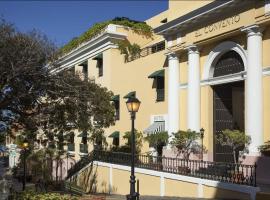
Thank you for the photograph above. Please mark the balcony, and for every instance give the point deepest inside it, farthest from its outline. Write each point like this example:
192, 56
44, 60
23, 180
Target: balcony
83, 148
160, 95
71, 147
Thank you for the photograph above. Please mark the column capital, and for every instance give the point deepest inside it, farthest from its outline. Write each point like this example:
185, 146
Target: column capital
252, 30
192, 49
172, 55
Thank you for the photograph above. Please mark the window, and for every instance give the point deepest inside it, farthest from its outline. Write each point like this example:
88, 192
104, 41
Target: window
99, 59
116, 142
100, 67
160, 89
158, 77
117, 110
164, 21
116, 103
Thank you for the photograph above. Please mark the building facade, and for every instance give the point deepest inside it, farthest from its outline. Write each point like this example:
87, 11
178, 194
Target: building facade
207, 66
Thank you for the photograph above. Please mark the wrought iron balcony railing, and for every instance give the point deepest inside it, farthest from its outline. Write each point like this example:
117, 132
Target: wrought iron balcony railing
147, 51
223, 172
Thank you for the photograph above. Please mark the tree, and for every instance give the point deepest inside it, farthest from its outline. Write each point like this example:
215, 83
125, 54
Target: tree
126, 148
235, 139
73, 103
158, 141
23, 59
138, 139
186, 143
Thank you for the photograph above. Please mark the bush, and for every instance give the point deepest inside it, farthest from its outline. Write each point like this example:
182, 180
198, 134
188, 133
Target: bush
30, 195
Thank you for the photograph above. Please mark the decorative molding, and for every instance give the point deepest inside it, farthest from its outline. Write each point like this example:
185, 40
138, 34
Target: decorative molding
217, 52
169, 41
266, 71
267, 7
89, 49
226, 79
179, 38
192, 49
252, 30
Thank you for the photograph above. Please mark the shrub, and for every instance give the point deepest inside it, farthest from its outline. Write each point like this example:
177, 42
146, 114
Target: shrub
30, 195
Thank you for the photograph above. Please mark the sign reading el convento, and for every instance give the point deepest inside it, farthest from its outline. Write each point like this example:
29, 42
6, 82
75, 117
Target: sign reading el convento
218, 25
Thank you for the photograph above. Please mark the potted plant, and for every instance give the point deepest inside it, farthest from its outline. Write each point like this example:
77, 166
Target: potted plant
186, 143
158, 141
265, 148
238, 141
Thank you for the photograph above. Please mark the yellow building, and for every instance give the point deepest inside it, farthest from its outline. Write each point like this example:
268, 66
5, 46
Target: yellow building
207, 66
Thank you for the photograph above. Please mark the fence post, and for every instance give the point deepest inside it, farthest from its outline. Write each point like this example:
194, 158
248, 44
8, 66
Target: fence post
255, 175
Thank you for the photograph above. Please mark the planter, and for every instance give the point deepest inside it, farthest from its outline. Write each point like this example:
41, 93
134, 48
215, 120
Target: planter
266, 153
184, 170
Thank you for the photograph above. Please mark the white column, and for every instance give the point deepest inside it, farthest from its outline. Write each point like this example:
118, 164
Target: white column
253, 97
194, 96
173, 94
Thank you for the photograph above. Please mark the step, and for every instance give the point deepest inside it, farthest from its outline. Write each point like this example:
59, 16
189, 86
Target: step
263, 196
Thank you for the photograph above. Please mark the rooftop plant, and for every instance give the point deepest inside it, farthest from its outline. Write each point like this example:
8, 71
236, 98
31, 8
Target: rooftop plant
136, 26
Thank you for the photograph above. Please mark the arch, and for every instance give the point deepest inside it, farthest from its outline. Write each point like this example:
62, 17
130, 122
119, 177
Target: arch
217, 52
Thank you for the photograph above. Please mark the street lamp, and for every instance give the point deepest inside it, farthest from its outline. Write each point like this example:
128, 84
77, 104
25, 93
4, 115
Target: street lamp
133, 105
25, 146
202, 136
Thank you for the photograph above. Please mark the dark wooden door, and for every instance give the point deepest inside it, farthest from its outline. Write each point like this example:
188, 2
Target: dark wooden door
228, 114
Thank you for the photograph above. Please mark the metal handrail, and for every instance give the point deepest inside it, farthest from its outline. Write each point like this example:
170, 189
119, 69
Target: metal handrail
219, 171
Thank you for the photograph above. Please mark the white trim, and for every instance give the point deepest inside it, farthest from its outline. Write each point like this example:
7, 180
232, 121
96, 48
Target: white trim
194, 17
86, 56
200, 190
108, 30
224, 79
266, 71
221, 79
227, 186
267, 7
227, 79
217, 52
170, 41
162, 186
111, 181
179, 38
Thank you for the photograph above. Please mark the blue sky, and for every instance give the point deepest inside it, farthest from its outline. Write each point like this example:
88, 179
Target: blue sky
63, 20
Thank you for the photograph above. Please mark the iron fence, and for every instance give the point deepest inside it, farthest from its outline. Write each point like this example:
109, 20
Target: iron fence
223, 172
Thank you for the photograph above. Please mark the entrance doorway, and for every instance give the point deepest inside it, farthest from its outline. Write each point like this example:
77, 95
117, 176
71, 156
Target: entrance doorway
228, 102
228, 114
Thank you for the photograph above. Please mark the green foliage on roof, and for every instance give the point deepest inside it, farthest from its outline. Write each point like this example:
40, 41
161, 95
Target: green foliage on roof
137, 27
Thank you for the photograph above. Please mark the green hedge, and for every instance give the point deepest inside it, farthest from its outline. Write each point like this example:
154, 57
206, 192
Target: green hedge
137, 26
30, 195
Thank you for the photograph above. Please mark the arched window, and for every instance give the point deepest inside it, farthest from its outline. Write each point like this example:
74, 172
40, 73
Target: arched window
229, 63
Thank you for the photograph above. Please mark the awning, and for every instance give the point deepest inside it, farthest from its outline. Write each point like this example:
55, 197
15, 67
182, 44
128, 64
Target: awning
155, 128
130, 95
159, 73
98, 57
115, 98
83, 134
115, 134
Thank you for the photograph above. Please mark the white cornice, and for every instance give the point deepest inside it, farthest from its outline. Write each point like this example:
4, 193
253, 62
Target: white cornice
87, 49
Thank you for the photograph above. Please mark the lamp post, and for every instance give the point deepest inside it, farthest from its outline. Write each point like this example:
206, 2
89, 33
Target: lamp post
202, 136
25, 145
133, 105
